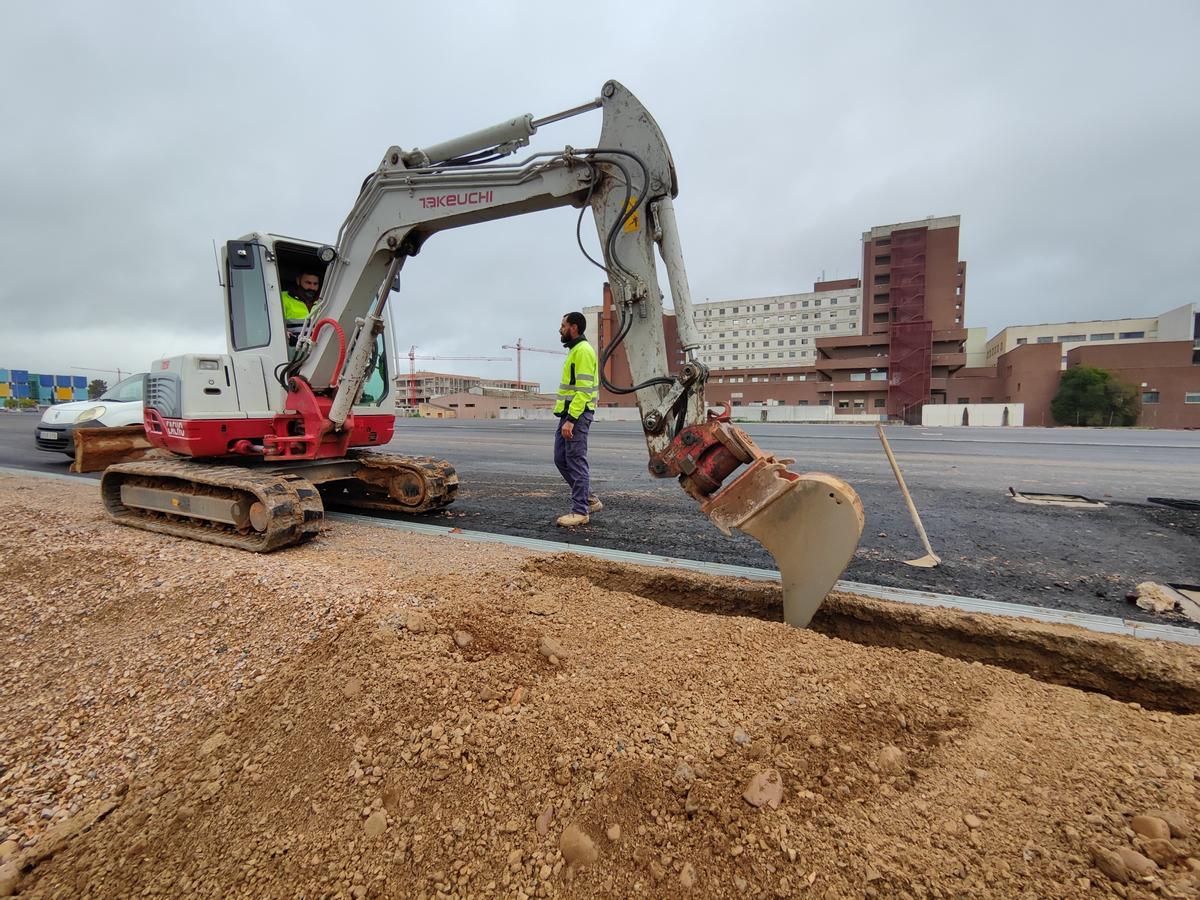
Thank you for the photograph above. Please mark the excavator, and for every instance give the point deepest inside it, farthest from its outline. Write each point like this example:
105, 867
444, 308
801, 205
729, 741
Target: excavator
252, 444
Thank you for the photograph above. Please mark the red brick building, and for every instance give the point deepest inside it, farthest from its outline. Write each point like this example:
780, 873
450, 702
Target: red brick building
912, 348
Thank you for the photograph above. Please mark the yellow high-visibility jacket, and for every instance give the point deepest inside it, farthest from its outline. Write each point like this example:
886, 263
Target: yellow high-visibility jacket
580, 383
293, 307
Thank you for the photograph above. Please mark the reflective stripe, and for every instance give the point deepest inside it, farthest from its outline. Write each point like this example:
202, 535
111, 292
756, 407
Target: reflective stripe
585, 379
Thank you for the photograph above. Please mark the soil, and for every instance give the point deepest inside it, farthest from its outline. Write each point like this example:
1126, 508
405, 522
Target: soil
388, 714
991, 547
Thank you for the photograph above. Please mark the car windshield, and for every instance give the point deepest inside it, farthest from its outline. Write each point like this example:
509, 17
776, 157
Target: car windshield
130, 390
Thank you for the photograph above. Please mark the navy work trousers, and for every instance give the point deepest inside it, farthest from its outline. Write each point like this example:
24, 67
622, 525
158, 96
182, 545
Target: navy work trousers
571, 459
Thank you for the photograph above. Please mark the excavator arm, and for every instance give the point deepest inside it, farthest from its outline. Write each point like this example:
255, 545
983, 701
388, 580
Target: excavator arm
809, 523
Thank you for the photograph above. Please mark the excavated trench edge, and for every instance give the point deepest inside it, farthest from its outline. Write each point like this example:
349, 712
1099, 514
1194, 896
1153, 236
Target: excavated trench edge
1157, 675
1103, 624
1096, 655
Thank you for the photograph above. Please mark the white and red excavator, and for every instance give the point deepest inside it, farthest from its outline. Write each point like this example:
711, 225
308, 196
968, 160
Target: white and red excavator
259, 439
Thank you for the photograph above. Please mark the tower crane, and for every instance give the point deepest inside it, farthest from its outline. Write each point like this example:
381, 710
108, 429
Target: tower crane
412, 368
522, 347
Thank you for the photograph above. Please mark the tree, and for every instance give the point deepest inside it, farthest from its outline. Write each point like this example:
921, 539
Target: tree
10, 402
1091, 396
96, 387
27, 403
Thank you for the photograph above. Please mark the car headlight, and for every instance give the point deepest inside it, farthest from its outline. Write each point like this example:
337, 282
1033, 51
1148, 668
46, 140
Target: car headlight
90, 414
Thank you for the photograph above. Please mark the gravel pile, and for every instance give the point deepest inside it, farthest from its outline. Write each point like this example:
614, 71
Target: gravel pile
382, 714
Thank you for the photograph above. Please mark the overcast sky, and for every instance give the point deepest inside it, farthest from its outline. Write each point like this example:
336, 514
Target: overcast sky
1066, 135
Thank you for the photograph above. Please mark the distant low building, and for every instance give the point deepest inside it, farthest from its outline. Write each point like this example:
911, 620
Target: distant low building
421, 387
489, 403
1173, 325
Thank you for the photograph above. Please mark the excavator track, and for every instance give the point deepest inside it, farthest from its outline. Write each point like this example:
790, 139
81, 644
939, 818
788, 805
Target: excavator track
396, 483
269, 509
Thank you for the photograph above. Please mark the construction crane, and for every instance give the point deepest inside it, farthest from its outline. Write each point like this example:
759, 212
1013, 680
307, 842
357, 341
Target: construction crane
522, 347
412, 369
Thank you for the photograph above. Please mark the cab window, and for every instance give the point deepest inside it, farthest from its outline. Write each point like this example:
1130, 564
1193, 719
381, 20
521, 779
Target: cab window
248, 317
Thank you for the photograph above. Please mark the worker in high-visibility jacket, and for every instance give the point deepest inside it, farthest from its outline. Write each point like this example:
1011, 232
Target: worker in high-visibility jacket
298, 302
577, 392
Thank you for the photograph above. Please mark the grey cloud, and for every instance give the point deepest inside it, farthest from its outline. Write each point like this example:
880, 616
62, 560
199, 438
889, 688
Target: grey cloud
1063, 133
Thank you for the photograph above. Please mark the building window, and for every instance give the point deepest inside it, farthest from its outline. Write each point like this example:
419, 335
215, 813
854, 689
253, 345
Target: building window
879, 317
883, 260
1132, 335
805, 304
1191, 398
1045, 340
963, 400
985, 399
882, 279
1149, 396
1020, 342
843, 404
882, 298
879, 375
1107, 336
858, 376
880, 402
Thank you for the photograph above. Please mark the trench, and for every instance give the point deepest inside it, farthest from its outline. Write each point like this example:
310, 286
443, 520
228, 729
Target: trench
1154, 674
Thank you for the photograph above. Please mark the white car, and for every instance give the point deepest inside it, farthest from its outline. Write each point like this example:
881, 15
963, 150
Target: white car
121, 404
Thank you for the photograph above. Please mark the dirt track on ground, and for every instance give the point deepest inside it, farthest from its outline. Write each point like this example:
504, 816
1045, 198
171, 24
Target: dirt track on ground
384, 714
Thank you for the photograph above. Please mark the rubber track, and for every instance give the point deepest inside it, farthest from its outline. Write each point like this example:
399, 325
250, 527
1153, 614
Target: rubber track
441, 482
293, 504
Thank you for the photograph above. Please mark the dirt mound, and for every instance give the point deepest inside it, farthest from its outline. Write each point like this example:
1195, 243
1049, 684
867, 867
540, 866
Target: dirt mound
526, 729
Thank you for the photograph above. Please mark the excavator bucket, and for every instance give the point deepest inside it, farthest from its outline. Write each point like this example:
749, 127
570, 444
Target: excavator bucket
98, 448
810, 524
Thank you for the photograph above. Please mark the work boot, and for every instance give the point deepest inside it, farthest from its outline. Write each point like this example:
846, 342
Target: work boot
570, 520
594, 504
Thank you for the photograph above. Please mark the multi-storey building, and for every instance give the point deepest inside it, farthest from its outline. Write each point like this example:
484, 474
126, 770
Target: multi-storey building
911, 346
761, 332
1174, 325
766, 332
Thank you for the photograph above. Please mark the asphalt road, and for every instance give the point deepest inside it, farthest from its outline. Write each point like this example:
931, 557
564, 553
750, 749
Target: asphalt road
991, 546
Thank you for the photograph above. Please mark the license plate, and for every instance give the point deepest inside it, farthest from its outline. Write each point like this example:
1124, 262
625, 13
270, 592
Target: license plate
49, 435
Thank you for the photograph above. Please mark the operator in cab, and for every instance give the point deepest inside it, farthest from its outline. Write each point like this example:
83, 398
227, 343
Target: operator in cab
298, 302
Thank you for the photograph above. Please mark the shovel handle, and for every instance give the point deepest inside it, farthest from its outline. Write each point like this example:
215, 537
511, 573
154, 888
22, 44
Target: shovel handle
912, 509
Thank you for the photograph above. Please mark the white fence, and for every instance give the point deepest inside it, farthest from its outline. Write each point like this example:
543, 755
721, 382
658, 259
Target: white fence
952, 415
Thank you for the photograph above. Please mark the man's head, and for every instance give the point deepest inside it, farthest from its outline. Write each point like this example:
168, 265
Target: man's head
307, 287
572, 327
